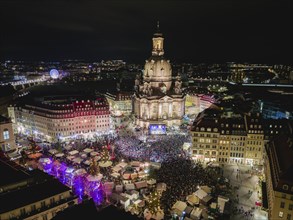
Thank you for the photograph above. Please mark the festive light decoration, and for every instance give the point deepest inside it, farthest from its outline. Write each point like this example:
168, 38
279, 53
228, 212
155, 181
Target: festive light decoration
61, 173
54, 74
80, 182
47, 164
105, 156
154, 202
94, 168
78, 186
97, 193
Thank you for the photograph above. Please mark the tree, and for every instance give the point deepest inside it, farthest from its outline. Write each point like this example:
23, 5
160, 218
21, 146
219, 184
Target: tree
154, 202
94, 168
58, 146
105, 156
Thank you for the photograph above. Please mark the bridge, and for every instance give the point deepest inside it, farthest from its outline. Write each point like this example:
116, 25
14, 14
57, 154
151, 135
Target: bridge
17, 85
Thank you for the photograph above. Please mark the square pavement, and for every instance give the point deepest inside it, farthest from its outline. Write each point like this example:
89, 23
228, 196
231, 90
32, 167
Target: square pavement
245, 182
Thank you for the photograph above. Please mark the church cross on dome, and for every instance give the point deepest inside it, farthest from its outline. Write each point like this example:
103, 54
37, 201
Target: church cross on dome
158, 26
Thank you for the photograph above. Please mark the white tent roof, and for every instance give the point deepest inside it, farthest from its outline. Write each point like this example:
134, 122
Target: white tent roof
73, 152
59, 155
94, 153
77, 160
117, 168
88, 150
206, 189
221, 203
122, 164
192, 199
180, 206
200, 194
129, 186
53, 151
141, 184
135, 163
196, 212
116, 175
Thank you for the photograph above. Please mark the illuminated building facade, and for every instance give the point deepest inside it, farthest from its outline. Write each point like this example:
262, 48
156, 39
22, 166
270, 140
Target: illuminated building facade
197, 102
120, 103
279, 178
156, 100
7, 139
56, 121
228, 140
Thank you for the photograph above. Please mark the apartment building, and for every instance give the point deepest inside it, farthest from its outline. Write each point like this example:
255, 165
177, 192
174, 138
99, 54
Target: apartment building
25, 195
279, 178
56, 120
228, 139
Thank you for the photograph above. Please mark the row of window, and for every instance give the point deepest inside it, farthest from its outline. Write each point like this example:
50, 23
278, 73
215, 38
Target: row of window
23, 211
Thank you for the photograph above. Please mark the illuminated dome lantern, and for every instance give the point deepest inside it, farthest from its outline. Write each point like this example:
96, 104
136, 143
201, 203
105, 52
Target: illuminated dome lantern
54, 74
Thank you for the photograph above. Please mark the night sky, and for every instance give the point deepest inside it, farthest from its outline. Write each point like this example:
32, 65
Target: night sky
195, 31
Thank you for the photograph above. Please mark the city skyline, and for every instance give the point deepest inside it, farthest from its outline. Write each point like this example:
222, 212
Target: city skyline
194, 31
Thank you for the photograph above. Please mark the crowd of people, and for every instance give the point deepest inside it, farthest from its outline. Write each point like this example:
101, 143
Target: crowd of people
182, 177
155, 149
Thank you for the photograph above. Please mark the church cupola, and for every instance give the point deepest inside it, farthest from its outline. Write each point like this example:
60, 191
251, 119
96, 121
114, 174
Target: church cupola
158, 42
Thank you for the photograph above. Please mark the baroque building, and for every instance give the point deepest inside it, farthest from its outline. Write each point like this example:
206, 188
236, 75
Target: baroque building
157, 100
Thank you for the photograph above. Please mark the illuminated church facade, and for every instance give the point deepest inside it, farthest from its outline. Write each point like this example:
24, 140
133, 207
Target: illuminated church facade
158, 100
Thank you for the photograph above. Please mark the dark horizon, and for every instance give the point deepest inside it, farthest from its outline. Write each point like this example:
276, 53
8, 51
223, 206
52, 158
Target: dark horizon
195, 31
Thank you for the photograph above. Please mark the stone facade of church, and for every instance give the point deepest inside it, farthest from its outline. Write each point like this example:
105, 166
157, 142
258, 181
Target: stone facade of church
158, 100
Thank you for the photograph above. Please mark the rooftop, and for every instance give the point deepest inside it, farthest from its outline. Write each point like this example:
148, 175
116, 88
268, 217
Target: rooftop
30, 194
10, 173
280, 151
4, 119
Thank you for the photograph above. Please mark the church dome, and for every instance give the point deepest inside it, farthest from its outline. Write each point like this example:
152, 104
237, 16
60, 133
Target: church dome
158, 70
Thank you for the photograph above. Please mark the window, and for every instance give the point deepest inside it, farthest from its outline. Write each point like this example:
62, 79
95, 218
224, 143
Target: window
290, 206
43, 204
282, 205
44, 217
22, 211
289, 217
5, 134
283, 195
52, 200
33, 208
285, 187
